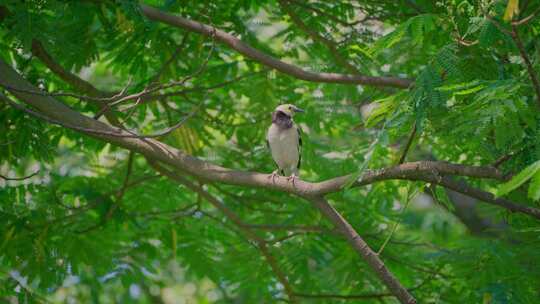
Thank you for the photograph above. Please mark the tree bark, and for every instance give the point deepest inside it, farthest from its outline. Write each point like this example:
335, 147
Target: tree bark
433, 172
362, 248
286, 68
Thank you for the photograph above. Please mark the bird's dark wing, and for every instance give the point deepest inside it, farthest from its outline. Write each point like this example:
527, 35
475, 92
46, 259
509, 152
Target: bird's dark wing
299, 147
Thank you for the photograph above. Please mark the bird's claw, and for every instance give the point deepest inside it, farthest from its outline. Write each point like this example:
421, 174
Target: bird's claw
292, 178
273, 176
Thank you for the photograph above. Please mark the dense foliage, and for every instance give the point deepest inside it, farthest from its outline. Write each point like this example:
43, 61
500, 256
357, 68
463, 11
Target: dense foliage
97, 223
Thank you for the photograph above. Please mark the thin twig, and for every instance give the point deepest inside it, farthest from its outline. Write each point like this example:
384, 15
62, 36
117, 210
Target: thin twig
363, 249
175, 55
143, 98
75, 81
19, 178
274, 227
323, 13
125, 184
499, 161
119, 196
530, 69
408, 144
116, 133
233, 217
317, 37
345, 297
527, 19
408, 197
364, 295
265, 59
514, 34
148, 90
161, 212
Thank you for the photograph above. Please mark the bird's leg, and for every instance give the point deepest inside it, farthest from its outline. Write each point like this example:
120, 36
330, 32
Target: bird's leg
292, 178
273, 176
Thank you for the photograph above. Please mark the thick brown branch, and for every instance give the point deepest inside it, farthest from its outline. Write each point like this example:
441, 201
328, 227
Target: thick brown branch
79, 84
433, 172
114, 132
344, 227
428, 171
366, 295
487, 197
259, 242
362, 248
142, 96
420, 170
286, 68
83, 86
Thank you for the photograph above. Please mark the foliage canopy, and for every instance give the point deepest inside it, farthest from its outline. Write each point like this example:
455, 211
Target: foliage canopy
102, 223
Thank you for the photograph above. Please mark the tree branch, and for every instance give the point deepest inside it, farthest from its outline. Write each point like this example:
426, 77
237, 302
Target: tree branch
143, 96
408, 145
259, 242
427, 171
81, 85
362, 248
345, 297
525, 20
168, 62
125, 184
325, 14
113, 132
326, 209
274, 227
528, 64
317, 37
363, 295
433, 172
248, 51
154, 88
18, 178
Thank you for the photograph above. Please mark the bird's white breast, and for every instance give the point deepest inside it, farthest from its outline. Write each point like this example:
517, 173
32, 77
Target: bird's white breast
284, 147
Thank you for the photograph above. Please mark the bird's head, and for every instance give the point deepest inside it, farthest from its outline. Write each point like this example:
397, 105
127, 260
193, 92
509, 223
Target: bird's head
288, 109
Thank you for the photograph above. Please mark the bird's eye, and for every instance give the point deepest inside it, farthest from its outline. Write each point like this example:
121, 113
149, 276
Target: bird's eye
290, 108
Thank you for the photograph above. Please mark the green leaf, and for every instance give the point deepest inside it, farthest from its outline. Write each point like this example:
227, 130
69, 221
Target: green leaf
534, 187
458, 86
519, 179
512, 9
470, 90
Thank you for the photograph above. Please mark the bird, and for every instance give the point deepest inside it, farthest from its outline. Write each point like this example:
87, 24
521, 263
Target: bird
284, 142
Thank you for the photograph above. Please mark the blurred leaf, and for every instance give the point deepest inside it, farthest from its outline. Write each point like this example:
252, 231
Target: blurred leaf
519, 179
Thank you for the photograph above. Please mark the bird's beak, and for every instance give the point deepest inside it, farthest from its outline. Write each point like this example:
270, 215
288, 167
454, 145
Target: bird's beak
298, 110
